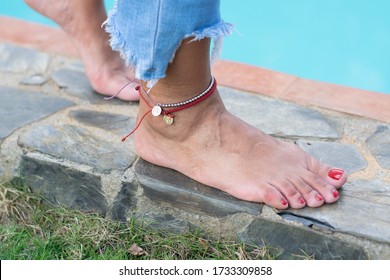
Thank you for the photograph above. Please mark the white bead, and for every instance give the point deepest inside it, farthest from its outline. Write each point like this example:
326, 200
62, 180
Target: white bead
156, 111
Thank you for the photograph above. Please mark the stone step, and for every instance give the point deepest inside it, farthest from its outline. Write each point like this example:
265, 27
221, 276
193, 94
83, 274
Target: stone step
64, 141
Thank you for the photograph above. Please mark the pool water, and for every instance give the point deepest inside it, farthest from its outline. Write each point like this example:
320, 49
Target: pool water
345, 42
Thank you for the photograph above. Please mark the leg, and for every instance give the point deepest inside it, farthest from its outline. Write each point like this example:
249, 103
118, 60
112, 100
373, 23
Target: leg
82, 21
212, 146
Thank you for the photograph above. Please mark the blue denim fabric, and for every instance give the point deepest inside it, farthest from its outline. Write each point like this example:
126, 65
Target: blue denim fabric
148, 32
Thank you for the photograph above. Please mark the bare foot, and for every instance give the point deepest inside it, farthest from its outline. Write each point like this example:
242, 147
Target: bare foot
213, 147
82, 21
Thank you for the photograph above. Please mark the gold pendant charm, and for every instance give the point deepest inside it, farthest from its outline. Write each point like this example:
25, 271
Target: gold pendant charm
168, 119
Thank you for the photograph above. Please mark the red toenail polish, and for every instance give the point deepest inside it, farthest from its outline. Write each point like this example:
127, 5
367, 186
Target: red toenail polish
284, 202
335, 193
319, 198
335, 174
301, 200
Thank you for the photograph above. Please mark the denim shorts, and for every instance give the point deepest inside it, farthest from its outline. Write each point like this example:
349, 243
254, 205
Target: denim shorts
147, 33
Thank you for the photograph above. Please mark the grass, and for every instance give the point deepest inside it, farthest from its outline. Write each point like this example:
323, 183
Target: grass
32, 229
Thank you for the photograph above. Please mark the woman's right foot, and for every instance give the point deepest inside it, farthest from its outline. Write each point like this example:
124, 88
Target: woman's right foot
82, 21
214, 147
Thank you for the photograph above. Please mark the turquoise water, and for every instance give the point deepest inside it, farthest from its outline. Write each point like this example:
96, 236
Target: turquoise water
345, 42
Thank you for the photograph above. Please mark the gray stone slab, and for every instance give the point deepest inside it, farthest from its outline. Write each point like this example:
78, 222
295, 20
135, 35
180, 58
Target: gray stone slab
293, 241
166, 185
34, 80
379, 145
362, 210
277, 117
116, 123
75, 83
63, 185
78, 145
124, 202
20, 107
344, 156
16, 59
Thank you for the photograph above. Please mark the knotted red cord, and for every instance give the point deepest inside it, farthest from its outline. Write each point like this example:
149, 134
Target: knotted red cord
171, 111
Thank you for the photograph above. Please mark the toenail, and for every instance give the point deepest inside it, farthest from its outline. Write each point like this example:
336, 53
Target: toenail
335, 173
301, 200
335, 193
319, 197
284, 202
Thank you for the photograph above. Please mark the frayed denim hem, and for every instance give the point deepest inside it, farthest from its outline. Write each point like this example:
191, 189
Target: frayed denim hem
150, 60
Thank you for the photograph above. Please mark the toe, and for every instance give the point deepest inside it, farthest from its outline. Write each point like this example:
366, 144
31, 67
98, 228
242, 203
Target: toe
327, 191
335, 176
291, 193
309, 194
273, 197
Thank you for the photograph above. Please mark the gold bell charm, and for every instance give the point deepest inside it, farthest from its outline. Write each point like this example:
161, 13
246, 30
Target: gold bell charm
168, 119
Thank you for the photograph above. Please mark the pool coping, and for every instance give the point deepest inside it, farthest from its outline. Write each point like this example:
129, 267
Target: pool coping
367, 104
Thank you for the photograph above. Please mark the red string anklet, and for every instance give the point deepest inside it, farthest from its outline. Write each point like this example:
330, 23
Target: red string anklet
167, 110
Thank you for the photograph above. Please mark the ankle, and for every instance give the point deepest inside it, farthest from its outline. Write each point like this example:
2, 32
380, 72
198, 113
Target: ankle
185, 120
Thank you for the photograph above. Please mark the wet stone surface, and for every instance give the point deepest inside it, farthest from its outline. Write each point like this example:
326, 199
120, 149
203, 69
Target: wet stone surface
338, 155
15, 59
277, 117
63, 185
31, 106
293, 242
78, 145
379, 145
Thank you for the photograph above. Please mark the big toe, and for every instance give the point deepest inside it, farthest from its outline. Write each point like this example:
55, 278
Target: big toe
335, 176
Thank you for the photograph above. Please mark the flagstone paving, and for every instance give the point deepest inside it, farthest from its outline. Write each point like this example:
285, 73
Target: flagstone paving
64, 140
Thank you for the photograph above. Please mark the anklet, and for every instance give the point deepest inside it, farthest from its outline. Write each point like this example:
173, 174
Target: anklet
167, 110
178, 104
161, 108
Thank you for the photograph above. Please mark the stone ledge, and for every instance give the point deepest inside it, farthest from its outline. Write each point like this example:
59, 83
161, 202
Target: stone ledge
301, 242
62, 185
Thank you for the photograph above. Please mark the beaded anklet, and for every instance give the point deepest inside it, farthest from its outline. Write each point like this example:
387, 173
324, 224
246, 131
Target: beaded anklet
167, 110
